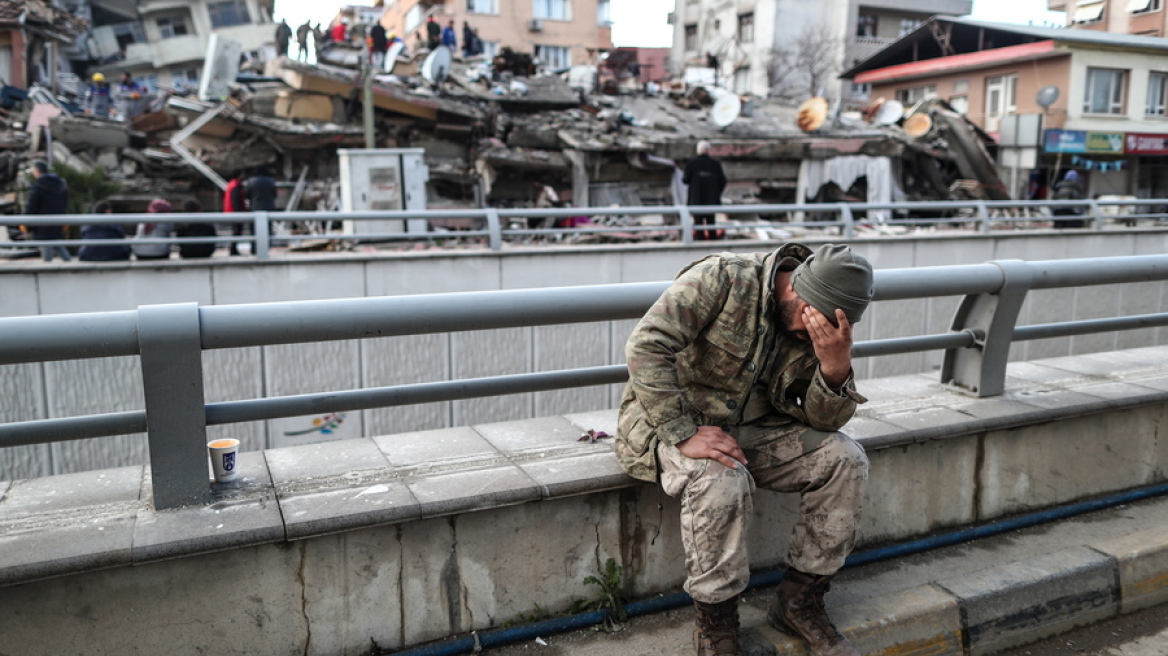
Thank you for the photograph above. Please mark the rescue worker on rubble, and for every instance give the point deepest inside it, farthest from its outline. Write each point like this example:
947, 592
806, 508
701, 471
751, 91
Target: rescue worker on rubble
433, 33
97, 97
302, 33
129, 97
740, 375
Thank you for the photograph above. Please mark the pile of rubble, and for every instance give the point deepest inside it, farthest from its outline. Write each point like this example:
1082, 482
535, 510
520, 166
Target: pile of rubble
491, 138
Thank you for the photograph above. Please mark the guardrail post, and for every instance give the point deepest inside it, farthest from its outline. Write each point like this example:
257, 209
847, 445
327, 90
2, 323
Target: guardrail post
176, 423
1096, 215
263, 234
494, 230
847, 221
983, 213
980, 370
687, 224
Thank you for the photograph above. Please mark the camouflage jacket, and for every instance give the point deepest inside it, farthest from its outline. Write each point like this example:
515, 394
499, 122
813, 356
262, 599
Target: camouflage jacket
711, 352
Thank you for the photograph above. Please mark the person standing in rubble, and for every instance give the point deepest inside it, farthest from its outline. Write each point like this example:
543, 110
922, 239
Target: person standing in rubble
302, 33
340, 32
450, 37
433, 33
705, 182
130, 97
283, 38
48, 195
378, 44
261, 192
320, 40
235, 200
467, 40
97, 97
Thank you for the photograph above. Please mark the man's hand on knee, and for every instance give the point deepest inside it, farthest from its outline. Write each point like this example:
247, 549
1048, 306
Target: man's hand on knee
713, 442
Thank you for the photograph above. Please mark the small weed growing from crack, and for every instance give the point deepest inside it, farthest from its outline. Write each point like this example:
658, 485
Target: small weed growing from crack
611, 598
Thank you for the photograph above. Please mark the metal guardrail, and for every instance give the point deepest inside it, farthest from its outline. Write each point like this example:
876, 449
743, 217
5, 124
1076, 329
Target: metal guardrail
170, 339
840, 218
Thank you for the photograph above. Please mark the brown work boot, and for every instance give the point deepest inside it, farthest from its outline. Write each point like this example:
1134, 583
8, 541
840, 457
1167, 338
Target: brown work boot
716, 633
798, 610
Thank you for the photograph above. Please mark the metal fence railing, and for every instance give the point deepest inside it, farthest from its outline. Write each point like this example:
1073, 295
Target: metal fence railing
498, 226
170, 339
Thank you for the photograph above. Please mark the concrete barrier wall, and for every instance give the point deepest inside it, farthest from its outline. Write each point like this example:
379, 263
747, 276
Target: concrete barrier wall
63, 389
513, 516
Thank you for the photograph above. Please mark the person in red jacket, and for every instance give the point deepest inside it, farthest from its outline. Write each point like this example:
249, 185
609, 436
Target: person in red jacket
234, 201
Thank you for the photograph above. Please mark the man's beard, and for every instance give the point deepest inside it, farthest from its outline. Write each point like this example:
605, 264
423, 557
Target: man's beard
788, 313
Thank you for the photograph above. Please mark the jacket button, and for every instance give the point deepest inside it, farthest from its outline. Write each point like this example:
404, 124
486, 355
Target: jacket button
750, 366
732, 404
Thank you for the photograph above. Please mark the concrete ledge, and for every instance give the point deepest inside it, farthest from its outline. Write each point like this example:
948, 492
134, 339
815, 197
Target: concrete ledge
428, 528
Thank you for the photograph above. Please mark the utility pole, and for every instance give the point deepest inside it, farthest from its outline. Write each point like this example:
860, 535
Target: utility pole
367, 66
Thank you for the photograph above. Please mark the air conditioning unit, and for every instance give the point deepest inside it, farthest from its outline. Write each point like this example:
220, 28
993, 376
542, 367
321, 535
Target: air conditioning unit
535, 25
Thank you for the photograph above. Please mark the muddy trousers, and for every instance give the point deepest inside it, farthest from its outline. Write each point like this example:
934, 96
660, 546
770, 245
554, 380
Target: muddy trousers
828, 470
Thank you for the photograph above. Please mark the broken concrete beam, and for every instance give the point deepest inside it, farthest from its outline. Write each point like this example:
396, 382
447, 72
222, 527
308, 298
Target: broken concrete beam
80, 133
299, 105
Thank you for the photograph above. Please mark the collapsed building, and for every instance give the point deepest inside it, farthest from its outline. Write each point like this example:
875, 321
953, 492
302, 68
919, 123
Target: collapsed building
495, 137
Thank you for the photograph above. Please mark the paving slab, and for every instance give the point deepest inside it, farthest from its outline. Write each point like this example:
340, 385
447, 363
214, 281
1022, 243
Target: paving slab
544, 437
241, 513
462, 491
427, 448
1143, 567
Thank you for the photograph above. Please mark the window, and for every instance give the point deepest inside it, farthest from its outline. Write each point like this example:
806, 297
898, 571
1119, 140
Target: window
746, 28
479, 7
907, 25
490, 49
1106, 91
552, 9
1143, 6
960, 104
691, 37
554, 57
228, 13
185, 77
1088, 11
127, 33
916, 94
861, 91
1000, 93
1157, 86
604, 13
866, 25
171, 27
742, 80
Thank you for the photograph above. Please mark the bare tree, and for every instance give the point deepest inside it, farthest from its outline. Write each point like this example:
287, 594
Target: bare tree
804, 68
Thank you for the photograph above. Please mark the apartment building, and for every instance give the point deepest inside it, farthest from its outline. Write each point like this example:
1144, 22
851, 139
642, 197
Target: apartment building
785, 48
561, 33
1107, 116
1146, 17
164, 42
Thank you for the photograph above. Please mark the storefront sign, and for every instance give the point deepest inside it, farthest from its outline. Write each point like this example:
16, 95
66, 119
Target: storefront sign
1065, 141
1105, 142
1146, 144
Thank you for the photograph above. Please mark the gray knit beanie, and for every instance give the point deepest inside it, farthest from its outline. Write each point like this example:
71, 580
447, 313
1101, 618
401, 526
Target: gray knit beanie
834, 277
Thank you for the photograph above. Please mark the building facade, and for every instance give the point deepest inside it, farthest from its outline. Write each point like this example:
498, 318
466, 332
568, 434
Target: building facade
790, 48
1100, 100
1145, 17
560, 33
164, 42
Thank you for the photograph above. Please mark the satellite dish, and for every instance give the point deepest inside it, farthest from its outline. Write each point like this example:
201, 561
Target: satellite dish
812, 114
726, 108
891, 111
873, 107
392, 54
918, 125
437, 65
1047, 96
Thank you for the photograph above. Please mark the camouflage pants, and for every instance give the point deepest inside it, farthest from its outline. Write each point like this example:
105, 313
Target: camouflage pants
830, 472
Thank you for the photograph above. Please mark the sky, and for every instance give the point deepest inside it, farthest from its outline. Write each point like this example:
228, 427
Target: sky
642, 22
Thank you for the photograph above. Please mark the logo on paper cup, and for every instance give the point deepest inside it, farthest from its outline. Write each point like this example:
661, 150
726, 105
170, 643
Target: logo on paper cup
229, 461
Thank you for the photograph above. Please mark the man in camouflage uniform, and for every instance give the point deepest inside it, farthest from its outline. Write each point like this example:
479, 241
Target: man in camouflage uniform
740, 376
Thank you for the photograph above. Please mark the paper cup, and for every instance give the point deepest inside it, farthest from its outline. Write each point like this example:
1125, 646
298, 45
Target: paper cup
224, 459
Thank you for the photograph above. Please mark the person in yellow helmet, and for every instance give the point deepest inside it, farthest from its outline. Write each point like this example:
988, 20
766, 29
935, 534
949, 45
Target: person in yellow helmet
97, 97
